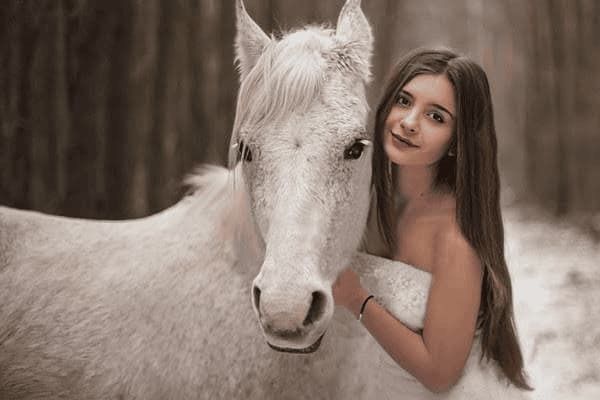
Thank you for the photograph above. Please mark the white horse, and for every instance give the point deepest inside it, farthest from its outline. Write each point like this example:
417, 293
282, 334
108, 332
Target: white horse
161, 307
172, 306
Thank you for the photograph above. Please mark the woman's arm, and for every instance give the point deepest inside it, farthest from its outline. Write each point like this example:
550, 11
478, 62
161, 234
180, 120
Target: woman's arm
438, 355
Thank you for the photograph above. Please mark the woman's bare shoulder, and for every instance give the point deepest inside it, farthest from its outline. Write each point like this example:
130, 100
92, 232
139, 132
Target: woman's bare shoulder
450, 248
452, 251
418, 232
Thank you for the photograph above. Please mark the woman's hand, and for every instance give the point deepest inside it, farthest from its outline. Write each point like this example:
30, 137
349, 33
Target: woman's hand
348, 292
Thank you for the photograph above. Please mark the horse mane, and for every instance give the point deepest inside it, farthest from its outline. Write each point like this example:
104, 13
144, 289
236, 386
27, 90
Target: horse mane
222, 194
286, 79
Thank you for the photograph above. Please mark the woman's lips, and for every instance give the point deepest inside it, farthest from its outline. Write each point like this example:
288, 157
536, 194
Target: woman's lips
403, 140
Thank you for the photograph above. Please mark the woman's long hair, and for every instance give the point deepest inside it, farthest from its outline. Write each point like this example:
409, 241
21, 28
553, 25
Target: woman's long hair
472, 176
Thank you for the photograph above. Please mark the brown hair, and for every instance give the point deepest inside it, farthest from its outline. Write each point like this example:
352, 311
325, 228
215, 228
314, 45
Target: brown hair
472, 176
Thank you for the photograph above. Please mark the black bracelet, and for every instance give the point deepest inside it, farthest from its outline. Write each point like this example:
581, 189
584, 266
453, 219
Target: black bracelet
364, 304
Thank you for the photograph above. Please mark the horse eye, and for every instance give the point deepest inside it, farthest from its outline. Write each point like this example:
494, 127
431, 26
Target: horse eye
244, 152
355, 151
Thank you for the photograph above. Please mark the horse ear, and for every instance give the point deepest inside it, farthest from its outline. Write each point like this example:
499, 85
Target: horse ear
250, 40
354, 31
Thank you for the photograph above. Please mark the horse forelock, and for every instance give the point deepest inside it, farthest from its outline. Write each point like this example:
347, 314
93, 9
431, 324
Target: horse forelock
287, 78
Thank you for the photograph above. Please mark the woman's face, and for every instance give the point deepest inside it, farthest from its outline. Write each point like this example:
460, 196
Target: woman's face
419, 127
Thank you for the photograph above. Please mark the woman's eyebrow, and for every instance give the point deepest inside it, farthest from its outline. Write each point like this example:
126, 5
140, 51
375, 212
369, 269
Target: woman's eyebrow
443, 109
406, 92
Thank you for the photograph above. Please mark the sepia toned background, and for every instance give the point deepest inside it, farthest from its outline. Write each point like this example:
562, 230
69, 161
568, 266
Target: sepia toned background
105, 105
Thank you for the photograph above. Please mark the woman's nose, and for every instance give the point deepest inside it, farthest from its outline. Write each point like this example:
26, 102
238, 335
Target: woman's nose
410, 123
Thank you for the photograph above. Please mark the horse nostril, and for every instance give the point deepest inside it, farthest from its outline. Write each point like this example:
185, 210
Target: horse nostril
256, 296
317, 307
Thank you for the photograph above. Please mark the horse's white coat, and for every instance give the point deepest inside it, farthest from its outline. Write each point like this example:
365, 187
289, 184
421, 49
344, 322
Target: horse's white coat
160, 307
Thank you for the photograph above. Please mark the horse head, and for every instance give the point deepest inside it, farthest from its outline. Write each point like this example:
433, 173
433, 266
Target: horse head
300, 138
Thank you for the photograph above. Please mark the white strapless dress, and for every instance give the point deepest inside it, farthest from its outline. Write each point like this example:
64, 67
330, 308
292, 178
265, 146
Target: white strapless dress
403, 291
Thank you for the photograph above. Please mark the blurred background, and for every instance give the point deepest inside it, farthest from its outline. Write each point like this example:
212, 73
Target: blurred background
106, 105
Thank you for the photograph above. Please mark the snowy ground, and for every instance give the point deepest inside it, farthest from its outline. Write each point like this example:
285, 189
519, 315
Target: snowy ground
555, 270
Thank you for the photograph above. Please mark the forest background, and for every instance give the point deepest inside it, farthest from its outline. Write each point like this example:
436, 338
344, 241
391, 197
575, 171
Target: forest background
106, 105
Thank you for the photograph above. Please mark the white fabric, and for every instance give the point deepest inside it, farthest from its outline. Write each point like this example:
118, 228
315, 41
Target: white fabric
402, 290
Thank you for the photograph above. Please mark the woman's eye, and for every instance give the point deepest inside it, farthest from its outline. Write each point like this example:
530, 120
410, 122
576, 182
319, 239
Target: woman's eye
403, 101
437, 117
355, 150
244, 152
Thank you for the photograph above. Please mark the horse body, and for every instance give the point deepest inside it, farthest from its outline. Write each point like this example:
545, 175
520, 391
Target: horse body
89, 308
150, 308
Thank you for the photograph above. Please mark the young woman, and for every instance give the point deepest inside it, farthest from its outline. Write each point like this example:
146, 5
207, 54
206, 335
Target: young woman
437, 201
